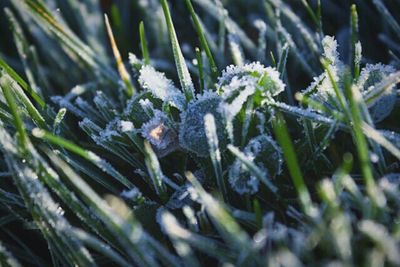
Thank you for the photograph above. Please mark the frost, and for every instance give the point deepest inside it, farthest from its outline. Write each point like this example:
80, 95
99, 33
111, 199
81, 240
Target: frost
392, 136
159, 133
134, 61
369, 82
266, 79
371, 76
134, 194
236, 49
180, 197
215, 154
261, 125
266, 150
192, 134
330, 46
212, 137
111, 130
260, 25
126, 126
237, 84
147, 106
358, 54
63, 102
266, 154
161, 87
138, 108
241, 180
390, 183
154, 170
246, 87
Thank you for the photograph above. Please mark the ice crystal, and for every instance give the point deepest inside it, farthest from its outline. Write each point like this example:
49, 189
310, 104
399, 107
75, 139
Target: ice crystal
330, 46
126, 126
139, 109
268, 78
358, 53
192, 134
241, 180
370, 78
321, 89
237, 84
266, 154
236, 49
161, 87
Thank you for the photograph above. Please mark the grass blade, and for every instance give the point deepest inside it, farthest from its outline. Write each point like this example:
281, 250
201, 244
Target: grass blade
284, 140
130, 89
143, 44
181, 67
203, 40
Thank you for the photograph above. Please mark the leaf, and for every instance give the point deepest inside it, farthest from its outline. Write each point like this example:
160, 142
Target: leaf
183, 72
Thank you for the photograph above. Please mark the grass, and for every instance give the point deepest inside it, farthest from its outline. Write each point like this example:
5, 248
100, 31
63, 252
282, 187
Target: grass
217, 133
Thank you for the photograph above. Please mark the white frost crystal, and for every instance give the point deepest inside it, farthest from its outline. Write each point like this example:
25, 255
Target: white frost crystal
370, 78
330, 46
358, 53
192, 134
266, 154
238, 83
379, 104
161, 87
126, 126
268, 77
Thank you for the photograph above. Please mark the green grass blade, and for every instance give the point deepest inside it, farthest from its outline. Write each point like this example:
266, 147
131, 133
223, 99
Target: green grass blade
355, 53
182, 69
22, 83
143, 44
284, 140
18, 123
155, 172
199, 59
215, 154
88, 155
7, 81
225, 223
202, 37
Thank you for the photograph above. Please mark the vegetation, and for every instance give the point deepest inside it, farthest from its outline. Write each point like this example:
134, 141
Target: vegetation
199, 133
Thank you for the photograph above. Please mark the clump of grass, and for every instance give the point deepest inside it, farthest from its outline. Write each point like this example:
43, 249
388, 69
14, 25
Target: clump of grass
206, 147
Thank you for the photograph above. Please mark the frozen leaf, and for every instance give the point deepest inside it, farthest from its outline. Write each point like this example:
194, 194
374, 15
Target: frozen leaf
161, 87
266, 155
267, 152
330, 47
135, 112
239, 83
370, 78
241, 180
266, 78
192, 134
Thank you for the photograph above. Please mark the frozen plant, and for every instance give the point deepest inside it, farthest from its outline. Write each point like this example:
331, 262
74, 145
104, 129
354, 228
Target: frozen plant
380, 104
266, 154
160, 133
371, 82
161, 87
192, 134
